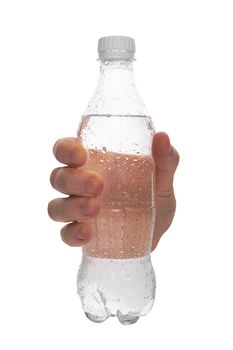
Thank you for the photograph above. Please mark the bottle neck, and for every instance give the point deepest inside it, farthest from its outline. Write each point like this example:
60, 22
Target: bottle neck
117, 73
116, 92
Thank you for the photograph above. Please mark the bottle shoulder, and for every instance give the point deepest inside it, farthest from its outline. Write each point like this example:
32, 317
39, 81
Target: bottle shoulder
116, 93
112, 103
121, 133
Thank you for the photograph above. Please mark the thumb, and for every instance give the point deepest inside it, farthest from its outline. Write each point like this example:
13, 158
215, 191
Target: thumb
166, 159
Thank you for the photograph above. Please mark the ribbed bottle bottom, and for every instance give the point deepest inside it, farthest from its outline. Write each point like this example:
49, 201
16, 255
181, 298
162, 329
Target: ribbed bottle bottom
116, 287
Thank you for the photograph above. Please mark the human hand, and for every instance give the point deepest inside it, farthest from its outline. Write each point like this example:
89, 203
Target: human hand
83, 187
166, 160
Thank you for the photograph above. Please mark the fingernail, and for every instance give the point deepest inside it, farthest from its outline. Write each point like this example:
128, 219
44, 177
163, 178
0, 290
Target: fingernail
91, 185
85, 207
83, 233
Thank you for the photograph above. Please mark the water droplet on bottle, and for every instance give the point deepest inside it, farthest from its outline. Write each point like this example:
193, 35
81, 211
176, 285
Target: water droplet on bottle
104, 149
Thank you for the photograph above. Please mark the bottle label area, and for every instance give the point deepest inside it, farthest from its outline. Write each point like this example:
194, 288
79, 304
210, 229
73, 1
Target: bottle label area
124, 227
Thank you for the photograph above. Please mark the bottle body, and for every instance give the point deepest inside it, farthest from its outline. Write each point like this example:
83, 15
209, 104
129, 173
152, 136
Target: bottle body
116, 277
124, 227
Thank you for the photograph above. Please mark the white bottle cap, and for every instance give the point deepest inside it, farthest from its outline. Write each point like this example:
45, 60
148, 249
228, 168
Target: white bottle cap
116, 47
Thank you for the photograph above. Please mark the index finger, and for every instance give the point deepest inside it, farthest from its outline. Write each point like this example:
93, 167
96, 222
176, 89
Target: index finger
70, 152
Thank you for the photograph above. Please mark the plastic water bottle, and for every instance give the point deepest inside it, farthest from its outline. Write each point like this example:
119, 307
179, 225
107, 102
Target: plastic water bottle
116, 277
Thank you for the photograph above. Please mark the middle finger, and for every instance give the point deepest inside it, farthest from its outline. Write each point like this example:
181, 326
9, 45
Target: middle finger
76, 181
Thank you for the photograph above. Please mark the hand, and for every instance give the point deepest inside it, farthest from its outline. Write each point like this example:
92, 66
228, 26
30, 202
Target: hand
83, 187
166, 159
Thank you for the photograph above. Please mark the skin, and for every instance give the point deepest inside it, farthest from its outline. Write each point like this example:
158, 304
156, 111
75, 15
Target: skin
83, 188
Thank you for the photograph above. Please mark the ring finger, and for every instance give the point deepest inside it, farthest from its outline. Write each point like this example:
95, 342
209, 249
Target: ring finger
73, 208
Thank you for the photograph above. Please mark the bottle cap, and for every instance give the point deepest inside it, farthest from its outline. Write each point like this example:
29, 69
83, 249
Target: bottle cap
116, 47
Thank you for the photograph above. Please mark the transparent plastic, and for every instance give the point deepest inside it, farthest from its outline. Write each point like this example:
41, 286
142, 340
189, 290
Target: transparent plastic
116, 277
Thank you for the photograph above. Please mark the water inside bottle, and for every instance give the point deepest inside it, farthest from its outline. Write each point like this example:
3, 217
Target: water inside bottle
124, 227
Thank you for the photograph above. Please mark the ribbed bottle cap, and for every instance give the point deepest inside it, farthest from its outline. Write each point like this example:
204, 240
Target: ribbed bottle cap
116, 47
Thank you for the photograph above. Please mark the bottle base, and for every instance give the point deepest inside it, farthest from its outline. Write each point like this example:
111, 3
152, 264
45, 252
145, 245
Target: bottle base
95, 318
128, 319
124, 288
123, 319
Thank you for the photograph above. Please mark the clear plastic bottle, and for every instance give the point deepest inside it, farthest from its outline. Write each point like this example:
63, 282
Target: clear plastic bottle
116, 277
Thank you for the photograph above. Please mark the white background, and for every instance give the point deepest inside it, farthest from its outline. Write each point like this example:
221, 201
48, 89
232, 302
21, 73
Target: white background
185, 76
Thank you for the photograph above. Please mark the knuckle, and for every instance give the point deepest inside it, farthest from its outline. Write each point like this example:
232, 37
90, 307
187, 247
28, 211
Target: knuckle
167, 201
63, 233
164, 193
51, 210
176, 158
60, 180
56, 147
53, 176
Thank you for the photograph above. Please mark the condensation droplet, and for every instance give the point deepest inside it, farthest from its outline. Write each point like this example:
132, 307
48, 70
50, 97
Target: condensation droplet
104, 149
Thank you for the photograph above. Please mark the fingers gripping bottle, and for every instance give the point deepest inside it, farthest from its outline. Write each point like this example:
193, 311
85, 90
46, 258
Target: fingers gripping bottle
116, 277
